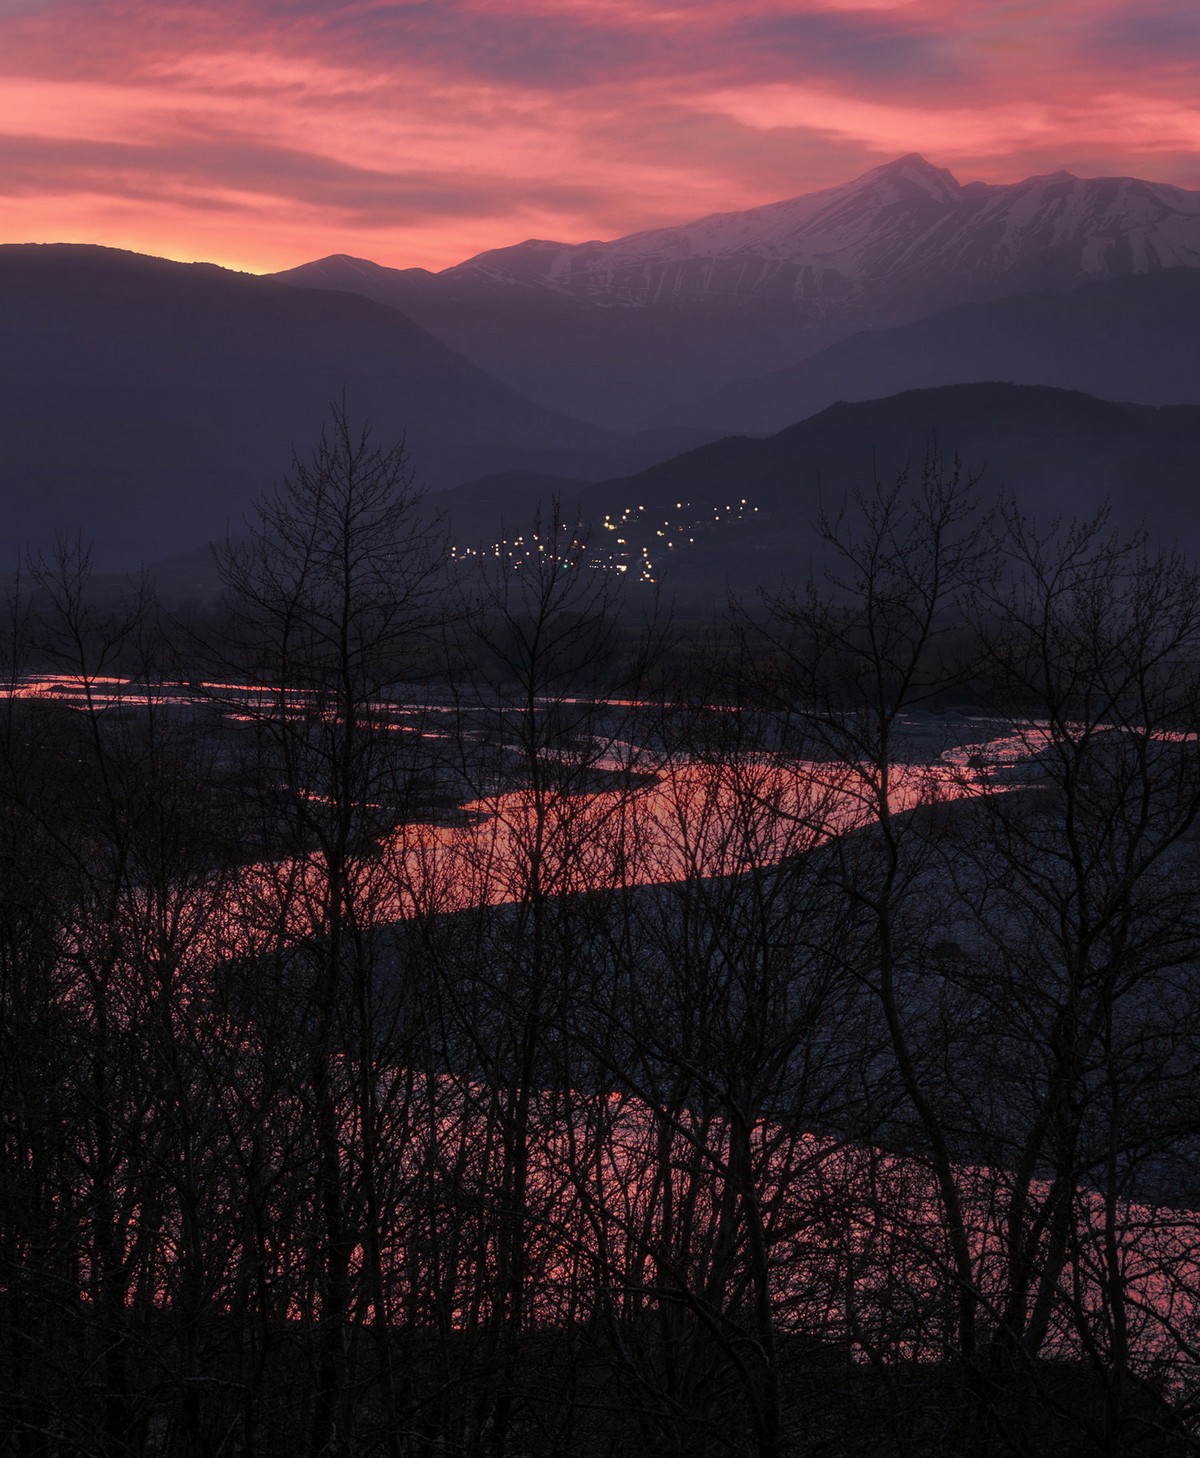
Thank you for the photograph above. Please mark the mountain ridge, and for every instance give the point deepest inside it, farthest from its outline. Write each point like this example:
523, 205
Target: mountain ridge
146, 402
1053, 452
620, 332
901, 220
737, 514
1124, 339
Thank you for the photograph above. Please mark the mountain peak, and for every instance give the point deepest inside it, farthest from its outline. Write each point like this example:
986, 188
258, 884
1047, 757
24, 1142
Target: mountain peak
901, 234
342, 271
912, 173
910, 160
1062, 175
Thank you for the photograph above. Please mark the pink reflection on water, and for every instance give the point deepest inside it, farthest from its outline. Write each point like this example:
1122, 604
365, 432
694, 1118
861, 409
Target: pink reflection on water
852, 1225
695, 820
1026, 740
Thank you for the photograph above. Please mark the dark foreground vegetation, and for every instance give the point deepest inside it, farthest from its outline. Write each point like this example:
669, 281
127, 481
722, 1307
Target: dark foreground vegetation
740, 1077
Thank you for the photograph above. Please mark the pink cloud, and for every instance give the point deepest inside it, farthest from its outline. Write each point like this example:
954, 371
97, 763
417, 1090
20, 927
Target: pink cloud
261, 133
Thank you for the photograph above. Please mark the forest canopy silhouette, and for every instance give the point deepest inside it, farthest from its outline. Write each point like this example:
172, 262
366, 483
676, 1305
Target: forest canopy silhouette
447, 1011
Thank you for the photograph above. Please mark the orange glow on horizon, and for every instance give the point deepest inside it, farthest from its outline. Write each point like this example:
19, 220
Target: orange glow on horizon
240, 133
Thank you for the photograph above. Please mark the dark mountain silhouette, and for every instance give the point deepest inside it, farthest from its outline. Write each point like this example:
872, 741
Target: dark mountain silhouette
145, 403
616, 365
1124, 339
739, 513
624, 331
1055, 452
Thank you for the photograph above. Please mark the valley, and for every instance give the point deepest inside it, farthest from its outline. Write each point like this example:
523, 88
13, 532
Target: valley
599, 849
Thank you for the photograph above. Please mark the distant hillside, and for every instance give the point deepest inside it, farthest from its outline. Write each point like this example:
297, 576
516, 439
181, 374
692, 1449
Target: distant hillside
1124, 339
145, 403
1057, 452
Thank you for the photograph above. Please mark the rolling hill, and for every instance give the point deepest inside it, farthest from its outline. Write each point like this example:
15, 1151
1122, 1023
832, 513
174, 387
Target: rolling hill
1128, 339
740, 512
144, 403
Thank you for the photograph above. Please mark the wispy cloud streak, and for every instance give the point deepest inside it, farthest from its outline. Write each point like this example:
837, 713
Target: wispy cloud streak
263, 132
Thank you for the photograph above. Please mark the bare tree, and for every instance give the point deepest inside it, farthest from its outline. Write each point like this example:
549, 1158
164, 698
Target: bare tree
725, 1020
114, 793
1084, 893
547, 670
333, 601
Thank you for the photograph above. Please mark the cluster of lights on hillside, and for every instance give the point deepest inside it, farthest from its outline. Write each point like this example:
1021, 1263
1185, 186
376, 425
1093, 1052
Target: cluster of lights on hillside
636, 547
563, 549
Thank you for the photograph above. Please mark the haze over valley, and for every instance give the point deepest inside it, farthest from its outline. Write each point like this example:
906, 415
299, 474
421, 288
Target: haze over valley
145, 403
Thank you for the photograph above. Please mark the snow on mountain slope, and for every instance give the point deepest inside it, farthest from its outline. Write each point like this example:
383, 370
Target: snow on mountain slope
903, 226
634, 331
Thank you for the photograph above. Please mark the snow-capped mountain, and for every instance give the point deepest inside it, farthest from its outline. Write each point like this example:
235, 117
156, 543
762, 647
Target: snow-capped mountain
904, 226
624, 332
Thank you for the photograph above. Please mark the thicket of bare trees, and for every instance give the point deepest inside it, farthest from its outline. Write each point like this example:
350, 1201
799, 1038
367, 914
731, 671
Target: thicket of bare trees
443, 1029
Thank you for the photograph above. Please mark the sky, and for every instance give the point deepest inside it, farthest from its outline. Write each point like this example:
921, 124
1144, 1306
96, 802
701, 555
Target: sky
260, 134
